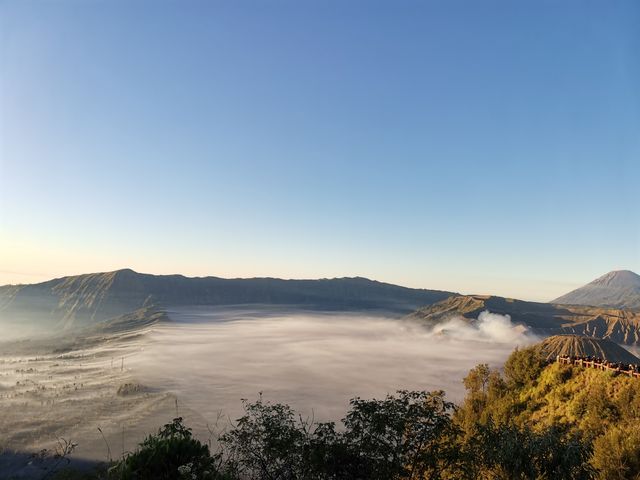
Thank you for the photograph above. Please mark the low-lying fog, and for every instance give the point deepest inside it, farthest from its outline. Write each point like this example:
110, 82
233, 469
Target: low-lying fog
316, 362
108, 392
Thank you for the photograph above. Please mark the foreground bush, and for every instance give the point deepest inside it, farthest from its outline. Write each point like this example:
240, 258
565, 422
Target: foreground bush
171, 454
406, 436
509, 452
616, 454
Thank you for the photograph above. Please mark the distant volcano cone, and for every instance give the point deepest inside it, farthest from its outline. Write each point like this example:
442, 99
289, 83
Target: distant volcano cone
579, 346
617, 289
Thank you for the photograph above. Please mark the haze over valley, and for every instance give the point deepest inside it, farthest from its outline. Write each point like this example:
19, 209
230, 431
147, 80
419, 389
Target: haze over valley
188, 346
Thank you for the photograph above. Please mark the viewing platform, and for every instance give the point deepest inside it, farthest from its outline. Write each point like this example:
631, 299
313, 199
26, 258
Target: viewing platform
631, 370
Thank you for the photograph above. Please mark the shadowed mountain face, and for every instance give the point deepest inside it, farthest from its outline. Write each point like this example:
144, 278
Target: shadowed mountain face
618, 289
91, 298
577, 346
620, 326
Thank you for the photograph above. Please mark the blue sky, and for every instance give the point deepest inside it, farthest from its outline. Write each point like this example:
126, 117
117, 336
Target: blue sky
476, 146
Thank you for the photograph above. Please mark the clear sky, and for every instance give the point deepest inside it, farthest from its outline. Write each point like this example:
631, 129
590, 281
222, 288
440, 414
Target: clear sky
476, 146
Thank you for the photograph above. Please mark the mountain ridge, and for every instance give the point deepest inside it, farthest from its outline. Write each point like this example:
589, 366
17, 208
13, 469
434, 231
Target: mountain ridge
95, 297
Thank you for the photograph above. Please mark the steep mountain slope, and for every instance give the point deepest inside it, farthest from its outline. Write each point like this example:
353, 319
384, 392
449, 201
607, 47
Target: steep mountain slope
617, 289
620, 326
91, 298
578, 346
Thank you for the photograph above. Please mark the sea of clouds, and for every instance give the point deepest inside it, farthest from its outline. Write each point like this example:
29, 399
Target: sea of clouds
316, 362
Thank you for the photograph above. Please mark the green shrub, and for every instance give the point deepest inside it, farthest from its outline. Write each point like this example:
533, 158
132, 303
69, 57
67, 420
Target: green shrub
616, 453
523, 367
170, 454
509, 452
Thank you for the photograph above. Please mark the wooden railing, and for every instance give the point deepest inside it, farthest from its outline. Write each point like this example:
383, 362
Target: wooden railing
617, 368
